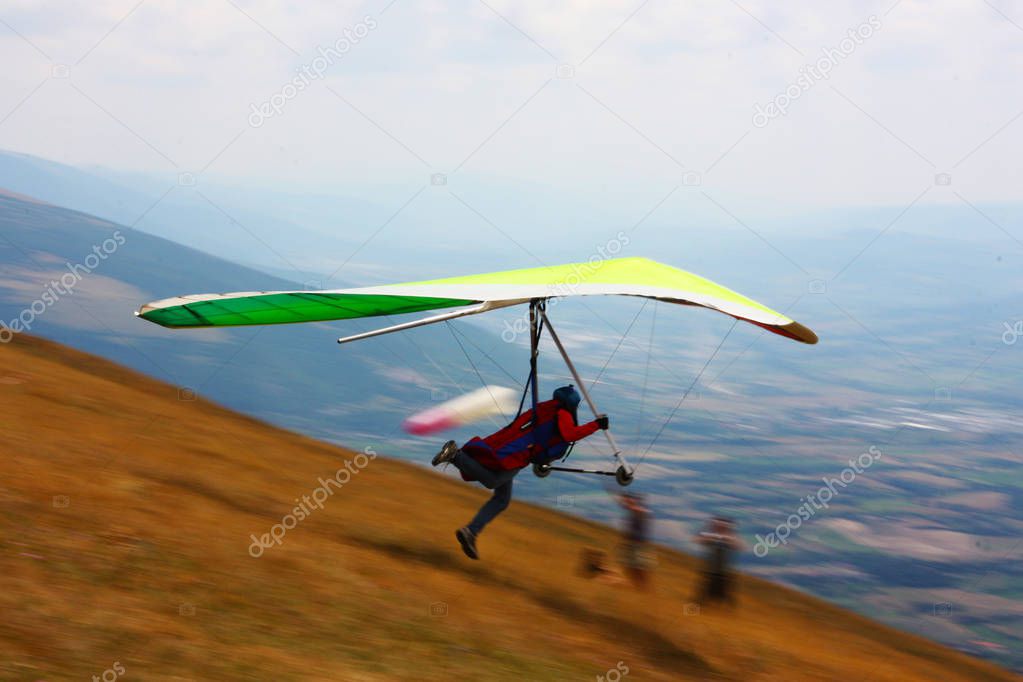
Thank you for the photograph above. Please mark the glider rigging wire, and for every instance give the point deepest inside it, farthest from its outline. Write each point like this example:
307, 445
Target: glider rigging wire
475, 369
485, 354
620, 342
686, 394
646, 374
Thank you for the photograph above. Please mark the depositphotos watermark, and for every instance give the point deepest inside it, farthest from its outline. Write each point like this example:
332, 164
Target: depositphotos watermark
1012, 333
512, 330
811, 74
308, 503
111, 673
614, 674
63, 286
814, 503
313, 71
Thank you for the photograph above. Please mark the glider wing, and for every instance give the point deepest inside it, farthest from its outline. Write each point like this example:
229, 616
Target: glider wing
620, 276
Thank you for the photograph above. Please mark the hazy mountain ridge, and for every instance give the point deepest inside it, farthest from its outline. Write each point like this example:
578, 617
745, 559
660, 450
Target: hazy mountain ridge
249, 368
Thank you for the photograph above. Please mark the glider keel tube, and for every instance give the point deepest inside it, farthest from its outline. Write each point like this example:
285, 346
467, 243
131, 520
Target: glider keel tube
443, 317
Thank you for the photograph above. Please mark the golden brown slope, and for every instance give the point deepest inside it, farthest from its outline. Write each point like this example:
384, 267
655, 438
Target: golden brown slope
147, 565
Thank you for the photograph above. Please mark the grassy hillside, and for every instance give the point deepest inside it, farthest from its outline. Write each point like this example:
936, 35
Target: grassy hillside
125, 522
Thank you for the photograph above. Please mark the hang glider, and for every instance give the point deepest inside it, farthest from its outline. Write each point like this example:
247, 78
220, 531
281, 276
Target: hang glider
474, 294
471, 295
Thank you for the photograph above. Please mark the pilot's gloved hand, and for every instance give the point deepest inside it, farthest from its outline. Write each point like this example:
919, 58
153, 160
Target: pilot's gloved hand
602, 422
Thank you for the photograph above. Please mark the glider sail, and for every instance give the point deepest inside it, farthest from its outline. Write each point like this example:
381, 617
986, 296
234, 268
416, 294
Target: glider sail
621, 276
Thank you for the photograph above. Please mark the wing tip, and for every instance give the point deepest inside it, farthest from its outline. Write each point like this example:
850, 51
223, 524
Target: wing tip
800, 333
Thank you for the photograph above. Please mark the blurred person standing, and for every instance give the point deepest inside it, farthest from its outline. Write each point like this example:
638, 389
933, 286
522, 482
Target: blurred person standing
636, 558
720, 542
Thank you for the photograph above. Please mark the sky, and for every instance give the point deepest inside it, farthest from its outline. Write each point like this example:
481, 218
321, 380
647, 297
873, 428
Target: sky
610, 102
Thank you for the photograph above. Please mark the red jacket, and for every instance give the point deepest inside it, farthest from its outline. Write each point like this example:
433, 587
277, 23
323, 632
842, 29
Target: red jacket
568, 429
515, 446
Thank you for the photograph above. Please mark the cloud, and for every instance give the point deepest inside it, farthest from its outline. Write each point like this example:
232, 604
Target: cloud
654, 90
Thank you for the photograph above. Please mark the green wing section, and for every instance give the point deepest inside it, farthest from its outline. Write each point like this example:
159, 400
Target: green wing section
620, 276
232, 310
